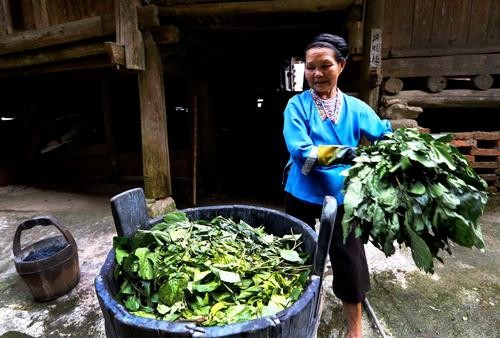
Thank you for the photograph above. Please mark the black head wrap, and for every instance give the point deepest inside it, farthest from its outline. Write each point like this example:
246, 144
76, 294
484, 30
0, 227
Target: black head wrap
335, 42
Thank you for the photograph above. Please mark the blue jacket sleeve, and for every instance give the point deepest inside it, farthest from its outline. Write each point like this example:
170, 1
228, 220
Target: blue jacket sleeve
296, 132
371, 125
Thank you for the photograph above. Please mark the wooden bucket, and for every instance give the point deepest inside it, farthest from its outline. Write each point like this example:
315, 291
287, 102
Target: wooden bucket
50, 266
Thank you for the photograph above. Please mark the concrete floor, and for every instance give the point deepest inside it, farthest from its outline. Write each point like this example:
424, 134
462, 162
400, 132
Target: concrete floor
460, 300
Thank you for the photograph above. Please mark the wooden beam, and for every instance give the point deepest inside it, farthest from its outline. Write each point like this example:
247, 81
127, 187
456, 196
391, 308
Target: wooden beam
453, 65
116, 53
147, 16
393, 85
128, 33
93, 63
155, 152
451, 98
166, 34
49, 56
415, 52
254, 7
94, 27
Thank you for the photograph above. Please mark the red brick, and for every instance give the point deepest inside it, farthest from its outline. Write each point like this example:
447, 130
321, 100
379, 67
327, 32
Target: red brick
485, 152
485, 135
489, 177
464, 143
469, 158
485, 165
463, 136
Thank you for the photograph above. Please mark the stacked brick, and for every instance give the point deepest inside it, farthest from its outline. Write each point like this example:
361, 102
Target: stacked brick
482, 151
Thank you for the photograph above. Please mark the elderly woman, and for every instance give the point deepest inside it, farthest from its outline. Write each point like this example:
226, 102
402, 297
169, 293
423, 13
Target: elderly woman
322, 127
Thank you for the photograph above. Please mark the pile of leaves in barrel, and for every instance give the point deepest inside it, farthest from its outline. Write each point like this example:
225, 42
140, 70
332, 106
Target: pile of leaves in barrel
211, 272
414, 189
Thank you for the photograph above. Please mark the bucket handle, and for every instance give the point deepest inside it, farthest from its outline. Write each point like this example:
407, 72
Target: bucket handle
44, 221
327, 222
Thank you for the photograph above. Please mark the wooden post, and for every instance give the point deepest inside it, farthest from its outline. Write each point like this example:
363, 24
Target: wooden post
194, 138
128, 33
355, 28
5, 18
155, 152
106, 102
371, 65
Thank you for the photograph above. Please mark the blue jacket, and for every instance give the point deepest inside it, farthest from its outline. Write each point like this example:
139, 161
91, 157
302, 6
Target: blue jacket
304, 131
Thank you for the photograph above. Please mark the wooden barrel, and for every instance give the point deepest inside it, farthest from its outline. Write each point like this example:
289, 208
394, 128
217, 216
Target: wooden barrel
298, 321
49, 267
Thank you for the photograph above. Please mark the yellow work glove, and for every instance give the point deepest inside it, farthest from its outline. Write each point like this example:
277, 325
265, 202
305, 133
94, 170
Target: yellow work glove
329, 155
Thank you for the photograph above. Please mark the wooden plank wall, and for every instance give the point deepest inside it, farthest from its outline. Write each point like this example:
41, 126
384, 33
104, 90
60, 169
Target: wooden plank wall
440, 27
36, 14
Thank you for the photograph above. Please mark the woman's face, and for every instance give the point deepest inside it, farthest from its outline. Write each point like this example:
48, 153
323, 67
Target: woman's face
322, 71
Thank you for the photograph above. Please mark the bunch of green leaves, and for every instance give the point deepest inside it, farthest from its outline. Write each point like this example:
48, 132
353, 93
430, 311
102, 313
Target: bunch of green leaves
213, 272
415, 189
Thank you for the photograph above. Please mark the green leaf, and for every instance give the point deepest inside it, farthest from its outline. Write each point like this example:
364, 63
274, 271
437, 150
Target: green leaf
146, 270
199, 275
172, 291
271, 308
175, 217
120, 254
290, 255
420, 252
418, 188
132, 303
209, 287
217, 307
227, 276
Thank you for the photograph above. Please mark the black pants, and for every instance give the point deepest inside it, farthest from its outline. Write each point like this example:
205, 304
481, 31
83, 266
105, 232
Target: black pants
351, 279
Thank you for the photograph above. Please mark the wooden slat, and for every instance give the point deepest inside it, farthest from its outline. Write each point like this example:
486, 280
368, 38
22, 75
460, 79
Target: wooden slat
440, 24
442, 65
387, 28
459, 98
27, 14
460, 21
494, 23
402, 23
95, 27
477, 33
41, 14
254, 7
422, 23
57, 55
